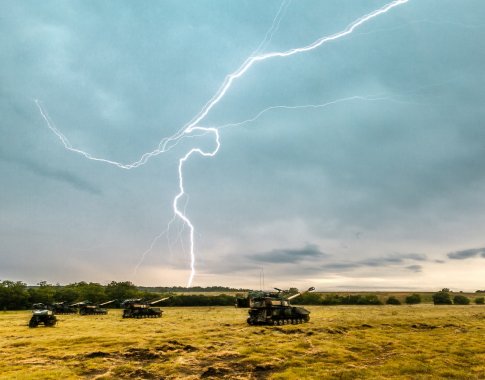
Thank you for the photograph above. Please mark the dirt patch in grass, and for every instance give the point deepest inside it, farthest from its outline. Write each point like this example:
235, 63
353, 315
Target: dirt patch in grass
97, 354
141, 354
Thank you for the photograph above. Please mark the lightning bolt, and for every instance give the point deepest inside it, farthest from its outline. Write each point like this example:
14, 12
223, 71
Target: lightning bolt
191, 128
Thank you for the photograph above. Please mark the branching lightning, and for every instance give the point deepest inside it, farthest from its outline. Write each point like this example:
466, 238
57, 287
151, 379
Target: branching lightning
193, 128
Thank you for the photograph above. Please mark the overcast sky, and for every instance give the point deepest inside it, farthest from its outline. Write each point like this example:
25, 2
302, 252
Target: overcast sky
367, 173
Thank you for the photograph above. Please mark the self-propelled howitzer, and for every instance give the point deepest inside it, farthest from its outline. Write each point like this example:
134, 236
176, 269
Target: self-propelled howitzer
274, 308
137, 308
88, 308
63, 308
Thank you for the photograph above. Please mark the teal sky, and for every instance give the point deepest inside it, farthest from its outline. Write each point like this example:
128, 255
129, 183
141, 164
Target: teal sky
367, 173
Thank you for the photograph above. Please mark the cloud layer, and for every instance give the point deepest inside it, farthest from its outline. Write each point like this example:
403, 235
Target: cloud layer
373, 154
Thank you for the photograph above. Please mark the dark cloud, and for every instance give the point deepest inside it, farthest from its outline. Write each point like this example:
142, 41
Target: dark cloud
53, 174
285, 256
378, 262
415, 268
365, 175
467, 254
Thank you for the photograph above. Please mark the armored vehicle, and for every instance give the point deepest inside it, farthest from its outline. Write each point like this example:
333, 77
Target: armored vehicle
63, 308
42, 314
274, 308
137, 308
88, 308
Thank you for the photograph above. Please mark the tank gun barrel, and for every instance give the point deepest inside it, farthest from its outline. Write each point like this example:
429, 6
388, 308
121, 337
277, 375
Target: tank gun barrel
160, 300
106, 303
300, 293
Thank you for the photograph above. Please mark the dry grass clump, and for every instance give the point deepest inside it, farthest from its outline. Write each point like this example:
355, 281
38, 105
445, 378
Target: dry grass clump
365, 342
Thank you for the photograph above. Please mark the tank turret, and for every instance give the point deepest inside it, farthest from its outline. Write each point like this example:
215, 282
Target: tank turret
137, 308
63, 308
274, 308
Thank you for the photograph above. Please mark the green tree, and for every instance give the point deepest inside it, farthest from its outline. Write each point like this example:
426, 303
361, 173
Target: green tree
92, 291
67, 293
13, 295
442, 297
393, 301
121, 290
461, 300
480, 300
43, 293
413, 299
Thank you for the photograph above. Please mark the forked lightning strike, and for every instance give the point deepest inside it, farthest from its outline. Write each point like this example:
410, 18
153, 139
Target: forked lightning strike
169, 142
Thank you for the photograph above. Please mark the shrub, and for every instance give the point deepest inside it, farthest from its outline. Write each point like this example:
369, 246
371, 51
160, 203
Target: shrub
393, 301
480, 300
413, 299
442, 298
461, 300
350, 299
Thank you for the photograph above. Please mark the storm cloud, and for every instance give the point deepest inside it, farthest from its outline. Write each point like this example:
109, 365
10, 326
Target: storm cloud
47, 172
371, 144
380, 262
467, 254
286, 256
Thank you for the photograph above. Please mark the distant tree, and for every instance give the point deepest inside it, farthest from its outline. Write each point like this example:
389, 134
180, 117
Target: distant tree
442, 297
308, 299
461, 300
413, 299
92, 291
359, 299
480, 300
331, 299
67, 293
13, 295
393, 301
121, 290
42, 293
369, 299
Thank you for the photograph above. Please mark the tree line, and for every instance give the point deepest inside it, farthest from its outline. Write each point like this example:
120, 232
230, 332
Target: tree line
442, 297
19, 296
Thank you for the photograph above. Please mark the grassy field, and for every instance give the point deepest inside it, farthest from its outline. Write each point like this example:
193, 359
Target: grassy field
364, 342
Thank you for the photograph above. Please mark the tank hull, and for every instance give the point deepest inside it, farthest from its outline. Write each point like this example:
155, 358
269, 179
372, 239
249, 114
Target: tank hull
95, 311
142, 312
284, 315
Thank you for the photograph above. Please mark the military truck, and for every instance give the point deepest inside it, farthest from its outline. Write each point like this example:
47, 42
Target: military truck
42, 314
89, 308
137, 308
273, 308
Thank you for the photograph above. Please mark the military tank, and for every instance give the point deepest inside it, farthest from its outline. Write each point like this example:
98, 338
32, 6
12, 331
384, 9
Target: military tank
42, 314
137, 308
274, 308
63, 308
88, 308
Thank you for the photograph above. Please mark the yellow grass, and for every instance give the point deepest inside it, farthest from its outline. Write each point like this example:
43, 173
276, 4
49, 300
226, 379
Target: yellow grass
353, 342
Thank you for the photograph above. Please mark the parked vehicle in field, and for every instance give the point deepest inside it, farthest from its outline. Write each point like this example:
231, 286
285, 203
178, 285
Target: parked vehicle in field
273, 308
137, 308
42, 315
63, 308
88, 308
